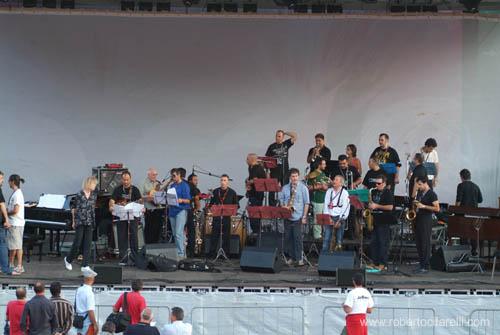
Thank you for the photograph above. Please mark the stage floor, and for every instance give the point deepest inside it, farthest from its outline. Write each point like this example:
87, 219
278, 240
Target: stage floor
52, 268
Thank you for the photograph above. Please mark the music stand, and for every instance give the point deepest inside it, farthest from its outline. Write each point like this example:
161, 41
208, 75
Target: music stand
268, 162
284, 214
266, 185
222, 211
160, 198
478, 223
128, 215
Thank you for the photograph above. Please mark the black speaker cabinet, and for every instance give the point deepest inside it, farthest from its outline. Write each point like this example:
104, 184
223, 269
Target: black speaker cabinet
329, 263
108, 274
344, 276
255, 259
234, 245
160, 249
107, 179
448, 254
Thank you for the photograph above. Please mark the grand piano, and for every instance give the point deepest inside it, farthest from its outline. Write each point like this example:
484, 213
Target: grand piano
464, 221
55, 218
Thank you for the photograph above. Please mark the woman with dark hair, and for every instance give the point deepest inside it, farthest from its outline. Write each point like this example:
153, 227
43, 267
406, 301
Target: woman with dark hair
15, 210
352, 152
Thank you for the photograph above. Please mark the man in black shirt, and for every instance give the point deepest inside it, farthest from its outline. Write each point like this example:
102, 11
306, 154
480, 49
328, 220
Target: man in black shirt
346, 171
319, 151
126, 229
385, 154
255, 171
382, 206
39, 315
419, 171
144, 326
223, 195
426, 203
195, 207
370, 180
279, 150
468, 195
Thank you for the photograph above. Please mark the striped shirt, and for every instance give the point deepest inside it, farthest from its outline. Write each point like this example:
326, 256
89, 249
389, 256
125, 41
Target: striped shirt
64, 314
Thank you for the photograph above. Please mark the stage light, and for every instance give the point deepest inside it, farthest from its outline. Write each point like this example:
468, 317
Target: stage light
231, 7
249, 8
471, 6
29, 3
49, 3
318, 8
163, 6
214, 7
67, 4
145, 6
128, 5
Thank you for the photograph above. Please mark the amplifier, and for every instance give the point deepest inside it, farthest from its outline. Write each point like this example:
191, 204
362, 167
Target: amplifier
107, 178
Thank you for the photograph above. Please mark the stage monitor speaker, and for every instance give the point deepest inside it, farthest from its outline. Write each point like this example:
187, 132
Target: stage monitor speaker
29, 3
67, 4
318, 8
214, 7
163, 6
230, 7
160, 249
127, 5
249, 8
49, 3
329, 263
107, 179
234, 245
334, 8
344, 276
270, 240
446, 255
255, 259
300, 8
145, 6
108, 274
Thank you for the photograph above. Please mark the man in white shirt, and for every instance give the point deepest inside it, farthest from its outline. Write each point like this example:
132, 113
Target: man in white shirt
85, 304
358, 302
337, 205
431, 156
177, 326
15, 210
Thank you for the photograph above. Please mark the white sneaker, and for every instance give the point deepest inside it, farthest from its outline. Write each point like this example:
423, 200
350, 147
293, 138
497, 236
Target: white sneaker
85, 268
68, 265
87, 271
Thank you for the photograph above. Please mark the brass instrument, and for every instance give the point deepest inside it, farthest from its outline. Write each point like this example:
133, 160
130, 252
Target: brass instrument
411, 214
156, 188
198, 238
367, 212
293, 191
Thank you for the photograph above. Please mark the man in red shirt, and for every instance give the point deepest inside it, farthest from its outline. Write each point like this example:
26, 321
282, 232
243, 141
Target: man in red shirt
135, 302
15, 311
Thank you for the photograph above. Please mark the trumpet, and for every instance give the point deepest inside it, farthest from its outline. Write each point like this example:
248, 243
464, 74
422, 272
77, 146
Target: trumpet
367, 213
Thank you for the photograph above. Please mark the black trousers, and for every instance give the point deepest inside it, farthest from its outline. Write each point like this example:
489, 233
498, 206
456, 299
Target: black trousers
191, 236
215, 237
423, 232
255, 201
153, 220
379, 245
127, 233
83, 241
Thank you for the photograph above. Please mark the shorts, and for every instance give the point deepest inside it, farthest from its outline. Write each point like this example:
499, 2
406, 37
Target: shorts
15, 237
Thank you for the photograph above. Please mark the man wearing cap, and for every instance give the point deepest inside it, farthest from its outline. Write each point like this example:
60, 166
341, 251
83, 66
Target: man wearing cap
85, 304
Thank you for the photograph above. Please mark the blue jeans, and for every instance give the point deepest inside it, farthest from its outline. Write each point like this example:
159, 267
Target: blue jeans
4, 252
293, 239
327, 235
177, 223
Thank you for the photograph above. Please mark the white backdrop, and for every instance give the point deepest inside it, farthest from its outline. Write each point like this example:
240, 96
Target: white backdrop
78, 91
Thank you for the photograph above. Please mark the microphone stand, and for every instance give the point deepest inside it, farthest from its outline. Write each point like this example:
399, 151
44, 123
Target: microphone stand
200, 170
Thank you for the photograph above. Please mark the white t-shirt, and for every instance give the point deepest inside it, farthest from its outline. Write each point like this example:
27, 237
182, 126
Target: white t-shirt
431, 157
359, 300
177, 328
85, 300
17, 198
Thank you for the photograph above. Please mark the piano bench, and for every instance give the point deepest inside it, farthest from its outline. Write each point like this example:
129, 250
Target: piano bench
29, 244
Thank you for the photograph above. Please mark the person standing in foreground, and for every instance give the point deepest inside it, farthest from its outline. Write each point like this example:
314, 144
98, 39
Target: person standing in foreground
85, 304
4, 227
15, 210
358, 303
134, 300
64, 309
177, 325
39, 315
143, 327
15, 310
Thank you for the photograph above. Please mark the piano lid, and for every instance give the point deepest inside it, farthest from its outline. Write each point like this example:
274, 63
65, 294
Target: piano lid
475, 212
55, 201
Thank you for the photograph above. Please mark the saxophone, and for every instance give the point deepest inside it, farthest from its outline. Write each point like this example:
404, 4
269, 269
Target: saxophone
198, 239
293, 191
367, 213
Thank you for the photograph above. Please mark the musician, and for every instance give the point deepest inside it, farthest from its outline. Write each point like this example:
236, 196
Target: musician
337, 205
370, 180
419, 171
83, 215
319, 151
178, 214
381, 206
468, 195
426, 203
195, 207
385, 154
430, 155
351, 152
223, 195
255, 170
346, 171
279, 150
295, 197
153, 215
318, 183
126, 229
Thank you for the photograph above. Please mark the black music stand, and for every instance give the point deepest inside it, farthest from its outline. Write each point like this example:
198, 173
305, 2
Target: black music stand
223, 211
266, 185
256, 212
129, 214
478, 223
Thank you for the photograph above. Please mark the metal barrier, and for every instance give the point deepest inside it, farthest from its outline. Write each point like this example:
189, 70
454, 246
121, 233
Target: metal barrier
384, 320
248, 320
484, 322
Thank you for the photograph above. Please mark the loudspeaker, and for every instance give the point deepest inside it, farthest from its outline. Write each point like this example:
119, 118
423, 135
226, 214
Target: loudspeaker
145, 5
108, 274
107, 179
68, 4
128, 5
234, 245
214, 7
230, 7
270, 240
344, 276
161, 249
49, 3
249, 8
329, 263
255, 259
163, 6
29, 3
447, 254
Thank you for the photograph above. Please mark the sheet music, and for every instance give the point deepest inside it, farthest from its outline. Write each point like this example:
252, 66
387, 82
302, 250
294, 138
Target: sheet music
52, 201
160, 198
129, 211
172, 199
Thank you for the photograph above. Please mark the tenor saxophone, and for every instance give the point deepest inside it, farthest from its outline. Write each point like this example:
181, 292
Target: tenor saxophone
367, 213
198, 239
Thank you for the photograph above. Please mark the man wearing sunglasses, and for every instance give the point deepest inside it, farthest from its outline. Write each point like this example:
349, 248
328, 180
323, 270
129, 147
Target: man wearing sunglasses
382, 206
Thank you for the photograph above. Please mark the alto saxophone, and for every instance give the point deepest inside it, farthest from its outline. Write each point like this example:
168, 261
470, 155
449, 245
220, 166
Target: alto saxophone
293, 191
367, 213
198, 239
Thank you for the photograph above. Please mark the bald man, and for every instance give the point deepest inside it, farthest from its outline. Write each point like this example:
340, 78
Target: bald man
153, 215
255, 170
